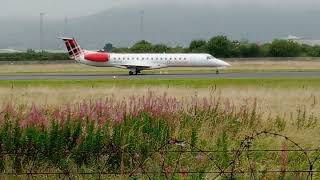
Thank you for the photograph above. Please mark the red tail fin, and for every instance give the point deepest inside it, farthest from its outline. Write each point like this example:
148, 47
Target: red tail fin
73, 47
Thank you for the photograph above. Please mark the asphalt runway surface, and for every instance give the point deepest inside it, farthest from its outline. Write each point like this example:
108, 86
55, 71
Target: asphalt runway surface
159, 76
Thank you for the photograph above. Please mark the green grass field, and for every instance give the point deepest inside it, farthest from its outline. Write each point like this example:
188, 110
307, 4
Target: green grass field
192, 83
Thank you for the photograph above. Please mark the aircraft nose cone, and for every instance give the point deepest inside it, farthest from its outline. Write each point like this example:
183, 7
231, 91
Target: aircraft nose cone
223, 63
227, 64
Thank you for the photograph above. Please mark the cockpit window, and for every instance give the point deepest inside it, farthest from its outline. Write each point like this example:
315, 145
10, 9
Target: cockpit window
209, 57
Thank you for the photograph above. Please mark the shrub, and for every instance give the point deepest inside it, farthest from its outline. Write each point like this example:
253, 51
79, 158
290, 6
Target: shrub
220, 46
285, 48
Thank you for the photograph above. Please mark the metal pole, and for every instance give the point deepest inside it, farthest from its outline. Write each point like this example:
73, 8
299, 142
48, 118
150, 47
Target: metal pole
41, 31
66, 26
141, 25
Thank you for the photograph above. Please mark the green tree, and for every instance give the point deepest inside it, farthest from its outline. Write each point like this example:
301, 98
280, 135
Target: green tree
249, 50
177, 49
235, 49
108, 47
220, 46
198, 46
160, 48
142, 47
121, 50
284, 48
264, 50
313, 51
31, 51
306, 50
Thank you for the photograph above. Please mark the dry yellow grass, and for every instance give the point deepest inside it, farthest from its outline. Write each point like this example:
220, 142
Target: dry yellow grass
275, 65
270, 101
52, 68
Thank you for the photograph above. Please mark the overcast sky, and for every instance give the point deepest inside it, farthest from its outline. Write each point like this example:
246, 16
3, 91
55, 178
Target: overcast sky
75, 8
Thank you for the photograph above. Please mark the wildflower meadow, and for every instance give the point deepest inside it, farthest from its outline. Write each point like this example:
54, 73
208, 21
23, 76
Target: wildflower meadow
152, 136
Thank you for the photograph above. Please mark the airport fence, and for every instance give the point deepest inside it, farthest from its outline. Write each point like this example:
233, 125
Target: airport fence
175, 158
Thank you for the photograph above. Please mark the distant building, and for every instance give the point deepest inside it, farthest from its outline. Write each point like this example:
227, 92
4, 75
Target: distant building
52, 51
303, 40
9, 51
37, 51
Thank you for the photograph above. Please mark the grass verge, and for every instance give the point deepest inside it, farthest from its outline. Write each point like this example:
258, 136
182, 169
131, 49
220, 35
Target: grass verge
264, 65
192, 83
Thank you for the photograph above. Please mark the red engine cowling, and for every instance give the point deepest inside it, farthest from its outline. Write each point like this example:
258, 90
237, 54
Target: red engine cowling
97, 57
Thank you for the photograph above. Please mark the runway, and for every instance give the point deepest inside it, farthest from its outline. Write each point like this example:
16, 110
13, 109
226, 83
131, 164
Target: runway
159, 76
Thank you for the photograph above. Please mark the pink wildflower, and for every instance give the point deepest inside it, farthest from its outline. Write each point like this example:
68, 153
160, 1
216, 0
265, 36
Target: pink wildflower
200, 157
184, 171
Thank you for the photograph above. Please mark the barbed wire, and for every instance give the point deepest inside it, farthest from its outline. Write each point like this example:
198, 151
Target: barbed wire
242, 161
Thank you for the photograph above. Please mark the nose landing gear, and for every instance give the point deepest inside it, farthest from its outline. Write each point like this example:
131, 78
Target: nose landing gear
217, 71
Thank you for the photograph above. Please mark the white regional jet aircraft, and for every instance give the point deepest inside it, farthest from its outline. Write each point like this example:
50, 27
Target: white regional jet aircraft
138, 62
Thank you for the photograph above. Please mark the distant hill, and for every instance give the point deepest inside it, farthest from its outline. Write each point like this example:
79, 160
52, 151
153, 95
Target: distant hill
173, 25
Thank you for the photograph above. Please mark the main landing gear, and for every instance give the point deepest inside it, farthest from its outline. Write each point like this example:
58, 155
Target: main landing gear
134, 72
217, 71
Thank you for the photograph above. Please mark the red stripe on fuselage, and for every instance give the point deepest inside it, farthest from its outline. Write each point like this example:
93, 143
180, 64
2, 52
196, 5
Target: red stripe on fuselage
97, 57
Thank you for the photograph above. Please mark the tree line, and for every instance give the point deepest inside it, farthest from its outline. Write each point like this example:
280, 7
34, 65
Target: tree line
218, 46
221, 46
31, 55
